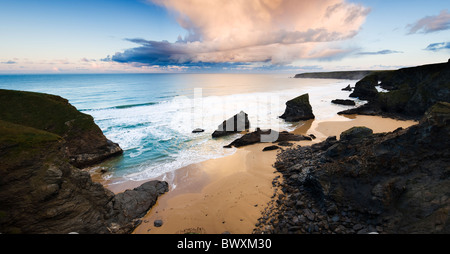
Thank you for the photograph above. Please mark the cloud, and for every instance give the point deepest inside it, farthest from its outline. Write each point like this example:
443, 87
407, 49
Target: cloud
431, 23
381, 52
237, 32
438, 46
9, 62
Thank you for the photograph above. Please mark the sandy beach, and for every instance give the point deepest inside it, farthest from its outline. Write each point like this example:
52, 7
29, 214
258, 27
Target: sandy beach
228, 194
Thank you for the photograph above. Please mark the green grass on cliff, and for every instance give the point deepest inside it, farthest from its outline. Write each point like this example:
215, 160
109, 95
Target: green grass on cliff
302, 99
42, 111
18, 142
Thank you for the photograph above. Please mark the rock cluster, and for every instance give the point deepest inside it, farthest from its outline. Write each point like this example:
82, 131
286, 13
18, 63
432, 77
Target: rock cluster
266, 136
396, 182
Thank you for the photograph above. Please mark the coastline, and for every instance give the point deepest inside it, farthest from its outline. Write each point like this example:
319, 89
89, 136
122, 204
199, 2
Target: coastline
229, 194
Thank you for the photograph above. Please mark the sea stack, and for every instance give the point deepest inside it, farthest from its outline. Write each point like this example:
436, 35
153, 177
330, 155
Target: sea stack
298, 109
237, 123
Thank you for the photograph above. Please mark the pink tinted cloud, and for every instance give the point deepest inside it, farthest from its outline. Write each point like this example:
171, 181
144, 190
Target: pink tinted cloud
431, 23
279, 31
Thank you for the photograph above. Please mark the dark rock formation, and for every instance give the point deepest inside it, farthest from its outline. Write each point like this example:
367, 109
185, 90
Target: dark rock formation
285, 143
344, 102
298, 109
270, 148
135, 203
235, 124
396, 182
41, 191
365, 89
411, 91
347, 88
158, 223
85, 142
262, 136
198, 130
355, 133
351, 75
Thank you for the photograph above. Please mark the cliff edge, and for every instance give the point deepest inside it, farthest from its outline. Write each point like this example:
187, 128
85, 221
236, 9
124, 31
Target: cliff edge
43, 141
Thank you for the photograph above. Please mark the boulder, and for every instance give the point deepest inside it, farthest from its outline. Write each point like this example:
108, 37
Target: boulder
344, 102
198, 130
270, 148
356, 133
298, 109
135, 203
235, 124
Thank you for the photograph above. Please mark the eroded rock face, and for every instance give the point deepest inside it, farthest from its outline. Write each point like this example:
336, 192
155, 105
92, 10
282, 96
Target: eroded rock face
42, 139
411, 91
40, 192
365, 89
298, 109
396, 182
85, 143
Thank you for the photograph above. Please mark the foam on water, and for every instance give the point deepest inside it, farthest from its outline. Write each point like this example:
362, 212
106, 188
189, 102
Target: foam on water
158, 136
144, 115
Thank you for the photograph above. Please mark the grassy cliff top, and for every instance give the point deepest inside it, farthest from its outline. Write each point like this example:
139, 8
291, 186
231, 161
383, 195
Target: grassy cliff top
18, 135
42, 111
302, 99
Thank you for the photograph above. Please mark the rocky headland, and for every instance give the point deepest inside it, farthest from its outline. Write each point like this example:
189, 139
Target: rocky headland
411, 91
351, 75
397, 182
44, 141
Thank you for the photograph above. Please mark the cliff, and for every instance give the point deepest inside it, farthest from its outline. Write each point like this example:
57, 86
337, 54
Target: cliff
411, 91
42, 139
85, 143
396, 182
350, 75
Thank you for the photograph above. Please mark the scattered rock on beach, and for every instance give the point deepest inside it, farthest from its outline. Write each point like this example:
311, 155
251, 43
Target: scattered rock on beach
298, 109
270, 148
158, 223
344, 102
198, 130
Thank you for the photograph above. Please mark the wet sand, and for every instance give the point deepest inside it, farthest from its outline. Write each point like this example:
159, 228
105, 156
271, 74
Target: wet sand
228, 194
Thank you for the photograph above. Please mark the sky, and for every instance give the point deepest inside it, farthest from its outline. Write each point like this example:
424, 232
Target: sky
209, 36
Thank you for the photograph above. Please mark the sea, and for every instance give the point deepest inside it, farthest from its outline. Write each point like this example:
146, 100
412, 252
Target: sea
151, 116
